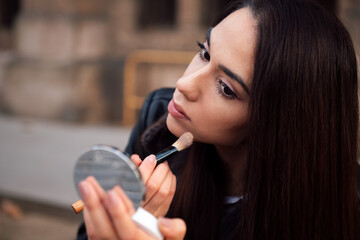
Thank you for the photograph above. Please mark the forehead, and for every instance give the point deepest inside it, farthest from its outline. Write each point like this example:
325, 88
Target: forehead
233, 42
241, 20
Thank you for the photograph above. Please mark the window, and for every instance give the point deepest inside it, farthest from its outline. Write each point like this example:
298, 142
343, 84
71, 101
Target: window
8, 11
157, 14
211, 10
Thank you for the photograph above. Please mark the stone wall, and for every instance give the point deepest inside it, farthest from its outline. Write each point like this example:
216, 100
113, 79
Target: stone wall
68, 58
56, 70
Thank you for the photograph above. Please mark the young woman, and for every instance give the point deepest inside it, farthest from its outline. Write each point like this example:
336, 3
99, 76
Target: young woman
272, 102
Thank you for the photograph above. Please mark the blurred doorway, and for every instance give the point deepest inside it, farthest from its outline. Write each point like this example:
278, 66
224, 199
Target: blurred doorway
8, 13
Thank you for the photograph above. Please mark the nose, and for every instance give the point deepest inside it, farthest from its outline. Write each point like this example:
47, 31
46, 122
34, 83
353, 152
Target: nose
191, 84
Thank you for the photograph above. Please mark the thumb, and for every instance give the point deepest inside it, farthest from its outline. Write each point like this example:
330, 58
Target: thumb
172, 229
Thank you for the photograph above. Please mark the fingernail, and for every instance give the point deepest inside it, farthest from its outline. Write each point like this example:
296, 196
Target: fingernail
91, 178
112, 198
165, 222
152, 158
84, 190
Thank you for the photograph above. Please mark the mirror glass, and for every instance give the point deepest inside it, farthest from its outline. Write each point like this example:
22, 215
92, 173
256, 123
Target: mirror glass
110, 167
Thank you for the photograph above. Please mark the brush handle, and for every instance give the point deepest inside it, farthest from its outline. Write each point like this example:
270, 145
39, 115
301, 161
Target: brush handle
78, 206
164, 154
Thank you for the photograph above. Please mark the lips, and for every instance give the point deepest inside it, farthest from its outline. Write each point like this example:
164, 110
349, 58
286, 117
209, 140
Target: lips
176, 111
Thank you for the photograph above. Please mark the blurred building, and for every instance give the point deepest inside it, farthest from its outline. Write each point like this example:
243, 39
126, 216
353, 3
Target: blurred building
73, 60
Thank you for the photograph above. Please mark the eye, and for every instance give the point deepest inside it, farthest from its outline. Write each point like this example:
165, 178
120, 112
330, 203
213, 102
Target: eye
225, 90
204, 54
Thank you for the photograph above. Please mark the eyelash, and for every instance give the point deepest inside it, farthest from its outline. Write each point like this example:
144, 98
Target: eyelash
220, 86
203, 53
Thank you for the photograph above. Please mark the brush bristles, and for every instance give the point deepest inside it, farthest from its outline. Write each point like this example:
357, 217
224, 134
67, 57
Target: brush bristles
184, 141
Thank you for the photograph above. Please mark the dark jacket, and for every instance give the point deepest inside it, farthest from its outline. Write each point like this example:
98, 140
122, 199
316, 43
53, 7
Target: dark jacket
154, 107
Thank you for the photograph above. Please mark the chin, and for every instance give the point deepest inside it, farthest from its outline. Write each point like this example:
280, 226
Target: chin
174, 127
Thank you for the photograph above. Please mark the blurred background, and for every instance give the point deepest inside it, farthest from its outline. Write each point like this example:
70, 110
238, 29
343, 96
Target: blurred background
74, 73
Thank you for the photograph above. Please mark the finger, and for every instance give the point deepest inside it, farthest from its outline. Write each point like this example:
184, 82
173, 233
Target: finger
147, 167
96, 213
164, 208
90, 230
172, 229
161, 196
156, 180
124, 226
136, 159
129, 207
99, 190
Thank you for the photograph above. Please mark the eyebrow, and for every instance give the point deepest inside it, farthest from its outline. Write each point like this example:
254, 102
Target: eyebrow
227, 71
235, 77
208, 33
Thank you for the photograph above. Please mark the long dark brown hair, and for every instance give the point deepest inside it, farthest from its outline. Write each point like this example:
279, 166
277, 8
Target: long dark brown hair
301, 173
300, 180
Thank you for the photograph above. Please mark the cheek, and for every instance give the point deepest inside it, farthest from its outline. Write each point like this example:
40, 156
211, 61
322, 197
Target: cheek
174, 127
226, 127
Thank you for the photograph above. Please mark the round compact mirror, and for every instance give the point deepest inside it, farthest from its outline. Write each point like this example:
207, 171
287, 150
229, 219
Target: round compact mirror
111, 167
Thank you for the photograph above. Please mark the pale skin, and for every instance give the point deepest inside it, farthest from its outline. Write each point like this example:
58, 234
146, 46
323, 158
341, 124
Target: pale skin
213, 95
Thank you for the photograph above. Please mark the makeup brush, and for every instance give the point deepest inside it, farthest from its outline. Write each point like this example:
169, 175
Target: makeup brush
184, 141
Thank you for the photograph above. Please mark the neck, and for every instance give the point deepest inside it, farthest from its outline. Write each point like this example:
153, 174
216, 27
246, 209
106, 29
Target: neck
234, 159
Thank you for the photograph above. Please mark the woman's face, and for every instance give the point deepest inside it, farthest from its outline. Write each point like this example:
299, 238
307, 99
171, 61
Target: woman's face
212, 97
